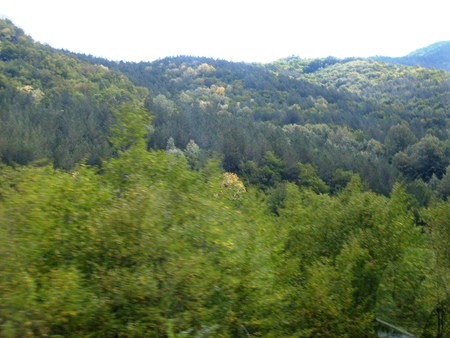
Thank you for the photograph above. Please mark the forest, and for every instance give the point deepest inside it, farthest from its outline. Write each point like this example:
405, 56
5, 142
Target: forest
195, 197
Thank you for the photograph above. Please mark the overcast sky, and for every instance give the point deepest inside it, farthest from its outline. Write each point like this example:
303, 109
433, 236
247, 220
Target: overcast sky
244, 30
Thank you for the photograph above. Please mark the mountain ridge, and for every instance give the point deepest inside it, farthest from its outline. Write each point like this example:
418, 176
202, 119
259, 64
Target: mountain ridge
436, 55
430, 48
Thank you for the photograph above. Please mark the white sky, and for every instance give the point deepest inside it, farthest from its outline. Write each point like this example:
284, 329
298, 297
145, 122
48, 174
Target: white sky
245, 30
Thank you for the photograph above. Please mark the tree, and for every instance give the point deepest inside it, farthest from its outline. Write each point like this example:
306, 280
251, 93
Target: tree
336, 251
437, 221
308, 178
427, 157
145, 247
398, 138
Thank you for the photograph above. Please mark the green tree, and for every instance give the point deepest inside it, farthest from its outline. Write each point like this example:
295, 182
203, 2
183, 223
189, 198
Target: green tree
436, 218
398, 138
309, 178
336, 251
427, 157
145, 247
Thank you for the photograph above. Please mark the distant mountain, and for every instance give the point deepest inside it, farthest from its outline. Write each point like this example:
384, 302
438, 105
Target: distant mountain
436, 56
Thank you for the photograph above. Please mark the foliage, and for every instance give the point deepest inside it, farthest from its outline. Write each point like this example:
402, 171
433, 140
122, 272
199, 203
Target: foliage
53, 105
351, 114
253, 201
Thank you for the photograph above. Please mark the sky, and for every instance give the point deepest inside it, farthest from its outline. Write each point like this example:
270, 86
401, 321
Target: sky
245, 30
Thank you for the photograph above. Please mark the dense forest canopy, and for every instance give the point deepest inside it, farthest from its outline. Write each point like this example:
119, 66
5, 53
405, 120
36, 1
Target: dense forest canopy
55, 106
293, 107
194, 197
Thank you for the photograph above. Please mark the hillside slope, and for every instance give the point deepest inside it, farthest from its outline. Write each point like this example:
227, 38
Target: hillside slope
55, 106
331, 113
265, 122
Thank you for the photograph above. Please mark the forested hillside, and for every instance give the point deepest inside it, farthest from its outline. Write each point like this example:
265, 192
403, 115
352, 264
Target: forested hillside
371, 118
54, 106
193, 197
